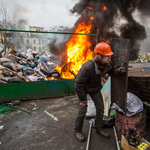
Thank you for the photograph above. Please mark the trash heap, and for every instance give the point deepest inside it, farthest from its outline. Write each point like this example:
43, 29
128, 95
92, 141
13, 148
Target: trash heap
144, 57
18, 67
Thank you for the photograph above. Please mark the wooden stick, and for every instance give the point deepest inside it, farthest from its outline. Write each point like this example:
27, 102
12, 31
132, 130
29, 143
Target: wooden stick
19, 52
16, 73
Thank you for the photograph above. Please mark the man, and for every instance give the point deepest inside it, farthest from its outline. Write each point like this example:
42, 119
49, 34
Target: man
88, 81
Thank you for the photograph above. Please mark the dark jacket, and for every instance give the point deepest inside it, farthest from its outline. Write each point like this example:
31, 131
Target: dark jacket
88, 79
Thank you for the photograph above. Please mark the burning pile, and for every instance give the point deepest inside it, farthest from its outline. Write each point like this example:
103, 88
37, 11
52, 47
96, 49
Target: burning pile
114, 19
18, 67
78, 52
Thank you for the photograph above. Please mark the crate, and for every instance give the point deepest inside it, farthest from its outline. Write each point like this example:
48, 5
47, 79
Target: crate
126, 146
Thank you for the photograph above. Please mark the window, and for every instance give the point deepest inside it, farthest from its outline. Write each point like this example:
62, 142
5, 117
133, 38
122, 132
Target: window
27, 34
43, 48
39, 41
36, 29
35, 48
34, 41
39, 48
43, 41
27, 41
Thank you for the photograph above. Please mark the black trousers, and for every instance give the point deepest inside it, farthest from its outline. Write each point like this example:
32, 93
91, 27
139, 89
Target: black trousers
98, 101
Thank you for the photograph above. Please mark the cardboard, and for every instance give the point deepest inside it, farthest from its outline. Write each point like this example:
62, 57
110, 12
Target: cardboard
126, 146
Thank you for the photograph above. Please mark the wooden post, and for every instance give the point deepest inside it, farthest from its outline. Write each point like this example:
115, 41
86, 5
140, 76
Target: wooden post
98, 36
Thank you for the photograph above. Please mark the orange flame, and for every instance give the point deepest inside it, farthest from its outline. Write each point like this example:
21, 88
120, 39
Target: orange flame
104, 7
89, 8
78, 52
51, 78
92, 18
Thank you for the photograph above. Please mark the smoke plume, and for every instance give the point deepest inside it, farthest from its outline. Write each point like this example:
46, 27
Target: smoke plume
114, 18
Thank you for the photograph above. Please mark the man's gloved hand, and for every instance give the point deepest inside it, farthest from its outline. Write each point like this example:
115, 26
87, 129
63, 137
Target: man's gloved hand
82, 105
122, 69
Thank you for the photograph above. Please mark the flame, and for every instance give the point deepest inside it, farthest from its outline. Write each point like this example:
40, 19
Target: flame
92, 18
51, 78
78, 52
42, 67
89, 8
104, 8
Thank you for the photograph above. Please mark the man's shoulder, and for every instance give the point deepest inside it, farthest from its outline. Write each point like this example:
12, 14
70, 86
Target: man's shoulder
89, 63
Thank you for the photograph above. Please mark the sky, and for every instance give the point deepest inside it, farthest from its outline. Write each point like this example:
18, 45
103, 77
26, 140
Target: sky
44, 13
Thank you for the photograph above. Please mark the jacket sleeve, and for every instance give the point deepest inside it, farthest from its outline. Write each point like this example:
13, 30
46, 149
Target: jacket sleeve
80, 82
114, 71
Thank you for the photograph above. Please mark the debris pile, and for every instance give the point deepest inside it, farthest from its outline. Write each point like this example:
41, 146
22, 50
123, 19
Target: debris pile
144, 57
18, 67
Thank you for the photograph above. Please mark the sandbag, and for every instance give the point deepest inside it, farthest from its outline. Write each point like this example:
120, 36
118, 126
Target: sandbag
1, 67
7, 73
15, 79
9, 65
2, 60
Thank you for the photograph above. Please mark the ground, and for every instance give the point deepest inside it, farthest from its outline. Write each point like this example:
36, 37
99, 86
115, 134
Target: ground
38, 130
136, 69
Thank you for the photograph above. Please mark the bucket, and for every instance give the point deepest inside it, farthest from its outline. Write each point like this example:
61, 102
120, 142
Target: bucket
137, 122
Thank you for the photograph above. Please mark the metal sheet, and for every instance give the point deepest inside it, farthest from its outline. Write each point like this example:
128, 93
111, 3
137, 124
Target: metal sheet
120, 47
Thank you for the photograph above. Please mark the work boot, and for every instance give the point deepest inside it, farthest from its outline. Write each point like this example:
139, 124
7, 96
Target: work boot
80, 137
103, 133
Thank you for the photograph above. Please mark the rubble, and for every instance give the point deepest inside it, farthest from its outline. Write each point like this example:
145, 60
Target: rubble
32, 66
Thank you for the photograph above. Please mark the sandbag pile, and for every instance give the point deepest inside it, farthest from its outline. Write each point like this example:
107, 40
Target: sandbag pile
18, 67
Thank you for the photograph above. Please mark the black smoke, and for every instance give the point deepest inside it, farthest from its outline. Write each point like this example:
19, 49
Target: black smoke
107, 21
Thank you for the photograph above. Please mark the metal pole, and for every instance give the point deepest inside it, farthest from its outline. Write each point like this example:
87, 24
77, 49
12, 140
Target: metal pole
116, 138
88, 141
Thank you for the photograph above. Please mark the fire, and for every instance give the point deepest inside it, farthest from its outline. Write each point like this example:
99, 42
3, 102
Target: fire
89, 8
92, 18
78, 52
104, 7
51, 78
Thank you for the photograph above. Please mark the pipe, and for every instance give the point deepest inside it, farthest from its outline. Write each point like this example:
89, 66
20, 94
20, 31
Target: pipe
118, 147
88, 141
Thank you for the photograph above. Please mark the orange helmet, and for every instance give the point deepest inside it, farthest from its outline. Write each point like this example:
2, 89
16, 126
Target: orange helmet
103, 49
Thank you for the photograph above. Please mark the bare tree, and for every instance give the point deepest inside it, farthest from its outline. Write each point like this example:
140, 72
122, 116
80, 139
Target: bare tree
10, 21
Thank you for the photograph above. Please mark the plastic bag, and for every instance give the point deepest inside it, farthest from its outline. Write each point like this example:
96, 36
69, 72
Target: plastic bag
147, 67
109, 121
134, 105
27, 71
44, 58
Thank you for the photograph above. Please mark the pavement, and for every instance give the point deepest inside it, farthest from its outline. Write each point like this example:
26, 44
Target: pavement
137, 70
38, 130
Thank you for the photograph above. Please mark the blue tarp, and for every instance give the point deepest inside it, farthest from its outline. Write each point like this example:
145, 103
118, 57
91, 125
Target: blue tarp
147, 67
